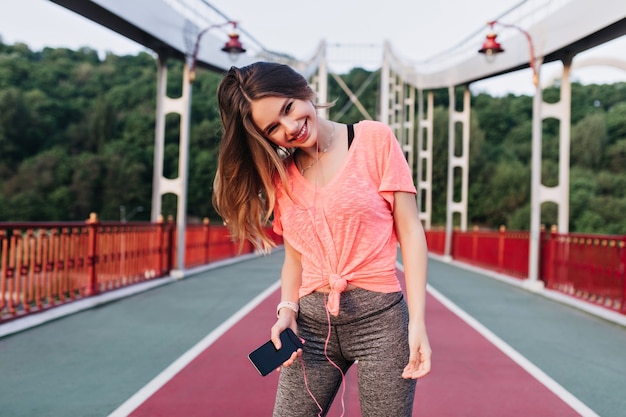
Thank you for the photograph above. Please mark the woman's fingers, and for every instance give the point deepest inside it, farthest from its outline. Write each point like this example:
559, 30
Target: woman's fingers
294, 356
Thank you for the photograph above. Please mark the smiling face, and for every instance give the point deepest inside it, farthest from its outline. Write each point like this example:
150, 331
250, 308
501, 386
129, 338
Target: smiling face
286, 122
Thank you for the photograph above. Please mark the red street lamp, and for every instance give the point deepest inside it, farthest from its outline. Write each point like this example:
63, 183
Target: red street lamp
492, 47
233, 46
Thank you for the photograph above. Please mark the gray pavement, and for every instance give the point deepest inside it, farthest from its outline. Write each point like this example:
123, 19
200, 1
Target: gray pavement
89, 363
583, 353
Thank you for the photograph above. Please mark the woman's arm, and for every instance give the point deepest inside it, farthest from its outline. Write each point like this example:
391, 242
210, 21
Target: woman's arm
415, 260
290, 281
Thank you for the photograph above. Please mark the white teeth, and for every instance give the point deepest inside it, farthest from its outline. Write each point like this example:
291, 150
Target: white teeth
301, 133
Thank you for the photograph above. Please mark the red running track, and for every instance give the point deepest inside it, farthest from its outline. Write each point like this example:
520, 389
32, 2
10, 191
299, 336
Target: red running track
470, 377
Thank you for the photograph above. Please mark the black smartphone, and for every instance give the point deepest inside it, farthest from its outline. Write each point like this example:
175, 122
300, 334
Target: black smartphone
266, 358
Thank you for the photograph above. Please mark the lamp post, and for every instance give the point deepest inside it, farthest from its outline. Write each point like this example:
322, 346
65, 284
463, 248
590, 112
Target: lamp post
490, 48
233, 46
178, 186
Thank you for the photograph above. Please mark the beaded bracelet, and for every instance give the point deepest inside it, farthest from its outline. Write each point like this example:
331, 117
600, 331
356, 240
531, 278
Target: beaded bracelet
287, 304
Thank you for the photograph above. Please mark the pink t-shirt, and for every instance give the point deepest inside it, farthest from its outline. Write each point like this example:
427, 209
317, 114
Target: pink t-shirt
344, 229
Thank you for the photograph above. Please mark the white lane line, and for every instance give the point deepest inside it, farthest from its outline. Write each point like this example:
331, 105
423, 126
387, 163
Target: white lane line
166, 375
160, 380
558, 390
517, 357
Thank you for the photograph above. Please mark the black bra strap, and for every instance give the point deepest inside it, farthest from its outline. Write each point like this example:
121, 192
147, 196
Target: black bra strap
350, 135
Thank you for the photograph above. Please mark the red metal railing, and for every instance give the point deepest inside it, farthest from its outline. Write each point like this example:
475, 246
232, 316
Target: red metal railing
503, 251
436, 240
590, 267
206, 243
43, 265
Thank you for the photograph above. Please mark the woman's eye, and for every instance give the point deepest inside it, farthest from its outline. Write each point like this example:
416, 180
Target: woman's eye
288, 108
271, 130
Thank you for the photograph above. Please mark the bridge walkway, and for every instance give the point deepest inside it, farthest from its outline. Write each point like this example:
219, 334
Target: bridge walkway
180, 350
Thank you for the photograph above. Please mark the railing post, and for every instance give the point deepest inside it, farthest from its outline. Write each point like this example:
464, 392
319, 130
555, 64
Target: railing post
450, 253
207, 234
171, 248
30, 264
623, 264
4, 276
550, 258
501, 241
475, 244
161, 249
92, 255
12, 275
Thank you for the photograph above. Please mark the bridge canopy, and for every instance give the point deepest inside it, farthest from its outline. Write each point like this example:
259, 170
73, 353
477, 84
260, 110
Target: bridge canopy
557, 29
168, 27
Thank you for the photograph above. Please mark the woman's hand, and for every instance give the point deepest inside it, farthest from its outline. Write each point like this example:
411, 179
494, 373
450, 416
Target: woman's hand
420, 353
286, 319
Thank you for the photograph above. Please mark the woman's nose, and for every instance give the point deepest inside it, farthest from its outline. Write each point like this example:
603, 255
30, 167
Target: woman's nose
291, 126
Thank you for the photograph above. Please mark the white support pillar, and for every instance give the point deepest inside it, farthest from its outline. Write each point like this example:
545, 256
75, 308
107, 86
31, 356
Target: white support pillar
564, 146
385, 88
423, 177
395, 103
464, 118
462, 162
319, 84
397, 106
561, 111
558, 194
159, 137
407, 138
178, 185
535, 184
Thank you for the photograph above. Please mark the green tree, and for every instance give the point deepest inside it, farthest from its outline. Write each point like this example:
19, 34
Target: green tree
36, 191
77, 135
588, 140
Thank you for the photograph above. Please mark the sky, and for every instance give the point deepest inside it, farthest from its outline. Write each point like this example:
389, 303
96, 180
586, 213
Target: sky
416, 30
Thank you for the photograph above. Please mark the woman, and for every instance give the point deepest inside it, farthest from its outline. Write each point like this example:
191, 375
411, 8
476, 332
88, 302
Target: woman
342, 197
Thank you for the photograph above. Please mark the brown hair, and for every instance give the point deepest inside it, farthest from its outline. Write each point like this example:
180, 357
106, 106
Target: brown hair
248, 163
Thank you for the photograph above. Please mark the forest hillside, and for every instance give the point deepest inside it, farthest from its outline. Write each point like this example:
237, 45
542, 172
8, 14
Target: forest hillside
77, 136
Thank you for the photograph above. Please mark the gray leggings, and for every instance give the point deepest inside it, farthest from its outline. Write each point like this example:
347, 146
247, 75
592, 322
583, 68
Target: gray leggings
372, 329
